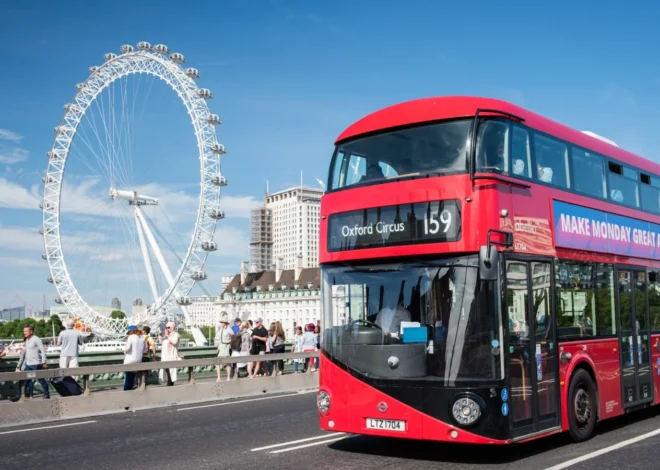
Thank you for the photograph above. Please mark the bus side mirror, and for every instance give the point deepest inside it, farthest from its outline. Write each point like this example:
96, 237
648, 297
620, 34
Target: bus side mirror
489, 263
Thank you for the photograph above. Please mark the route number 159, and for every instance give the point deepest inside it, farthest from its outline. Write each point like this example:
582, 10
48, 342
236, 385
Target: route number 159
432, 223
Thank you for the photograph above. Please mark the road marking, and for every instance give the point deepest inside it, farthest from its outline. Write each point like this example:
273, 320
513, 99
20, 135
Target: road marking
605, 450
328, 441
48, 427
242, 401
296, 442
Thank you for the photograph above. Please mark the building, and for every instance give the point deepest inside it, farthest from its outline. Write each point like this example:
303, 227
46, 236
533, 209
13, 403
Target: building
202, 311
11, 314
292, 296
62, 312
261, 238
116, 304
137, 301
287, 226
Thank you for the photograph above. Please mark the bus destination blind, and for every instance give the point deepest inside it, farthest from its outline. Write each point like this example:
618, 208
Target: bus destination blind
402, 224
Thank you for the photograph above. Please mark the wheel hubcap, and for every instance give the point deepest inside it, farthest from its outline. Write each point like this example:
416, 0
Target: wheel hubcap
582, 407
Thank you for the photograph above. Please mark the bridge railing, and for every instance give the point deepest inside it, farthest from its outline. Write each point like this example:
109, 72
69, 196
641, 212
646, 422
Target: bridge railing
189, 392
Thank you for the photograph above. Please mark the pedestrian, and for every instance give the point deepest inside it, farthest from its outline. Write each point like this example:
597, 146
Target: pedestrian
269, 348
169, 351
277, 340
223, 340
245, 348
309, 345
134, 350
297, 348
33, 357
259, 340
235, 347
317, 332
149, 353
70, 340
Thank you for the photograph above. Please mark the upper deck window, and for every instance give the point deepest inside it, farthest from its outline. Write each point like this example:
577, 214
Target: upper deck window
588, 173
438, 148
623, 184
551, 161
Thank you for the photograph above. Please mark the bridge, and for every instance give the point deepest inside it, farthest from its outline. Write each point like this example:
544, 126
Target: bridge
268, 422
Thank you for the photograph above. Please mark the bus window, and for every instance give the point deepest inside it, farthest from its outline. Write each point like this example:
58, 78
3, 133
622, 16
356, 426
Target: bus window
650, 193
551, 161
654, 301
521, 152
588, 175
623, 184
493, 146
438, 148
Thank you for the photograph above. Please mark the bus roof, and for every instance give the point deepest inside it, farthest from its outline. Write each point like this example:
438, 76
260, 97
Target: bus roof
449, 107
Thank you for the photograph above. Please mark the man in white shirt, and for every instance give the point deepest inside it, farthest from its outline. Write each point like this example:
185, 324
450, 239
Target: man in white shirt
389, 317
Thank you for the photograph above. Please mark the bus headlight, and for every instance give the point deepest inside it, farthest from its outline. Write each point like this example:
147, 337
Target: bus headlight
466, 411
323, 401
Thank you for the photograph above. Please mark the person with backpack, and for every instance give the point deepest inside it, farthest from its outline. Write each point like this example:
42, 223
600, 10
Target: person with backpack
235, 346
223, 339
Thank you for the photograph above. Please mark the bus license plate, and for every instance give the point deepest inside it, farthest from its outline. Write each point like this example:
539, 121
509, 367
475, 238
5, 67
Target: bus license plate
386, 424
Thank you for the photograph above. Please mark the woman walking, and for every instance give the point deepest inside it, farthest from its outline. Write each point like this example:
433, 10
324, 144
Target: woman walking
223, 340
297, 348
309, 345
134, 349
277, 339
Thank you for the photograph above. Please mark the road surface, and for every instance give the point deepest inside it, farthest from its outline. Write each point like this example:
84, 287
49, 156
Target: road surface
281, 432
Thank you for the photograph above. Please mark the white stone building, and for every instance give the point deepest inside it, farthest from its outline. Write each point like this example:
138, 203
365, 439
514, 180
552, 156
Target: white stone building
287, 226
292, 296
202, 310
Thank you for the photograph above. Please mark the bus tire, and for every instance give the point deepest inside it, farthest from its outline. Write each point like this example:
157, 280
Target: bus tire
582, 406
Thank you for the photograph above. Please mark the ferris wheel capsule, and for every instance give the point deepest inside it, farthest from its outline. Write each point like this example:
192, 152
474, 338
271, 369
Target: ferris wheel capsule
161, 49
71, 107
219, 180
144, 46
44, 256
47, 179
50, 279
80, 86
217, 214
51, 155
204, 93
198, 275
218, 149
93, 69
60, 130
209, 246
178, 58
58, 300
126, 49
192, 73
214, 119
110, 56
185, 300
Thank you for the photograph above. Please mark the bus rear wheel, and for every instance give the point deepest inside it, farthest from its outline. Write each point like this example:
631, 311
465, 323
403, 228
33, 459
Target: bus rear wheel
582, 406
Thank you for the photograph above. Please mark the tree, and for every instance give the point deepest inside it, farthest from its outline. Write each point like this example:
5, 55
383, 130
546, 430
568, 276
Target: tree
118, 315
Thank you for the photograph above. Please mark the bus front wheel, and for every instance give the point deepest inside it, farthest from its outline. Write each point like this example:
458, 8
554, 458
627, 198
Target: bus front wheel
582, 406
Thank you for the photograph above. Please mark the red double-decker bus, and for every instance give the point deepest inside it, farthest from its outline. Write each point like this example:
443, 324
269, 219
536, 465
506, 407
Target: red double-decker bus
488, 276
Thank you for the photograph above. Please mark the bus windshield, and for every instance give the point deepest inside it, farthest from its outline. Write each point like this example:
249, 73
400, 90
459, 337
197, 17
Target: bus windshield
431, 320
438, 148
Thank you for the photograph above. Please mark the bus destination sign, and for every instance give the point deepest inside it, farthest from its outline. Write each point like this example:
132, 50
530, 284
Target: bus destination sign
402, 224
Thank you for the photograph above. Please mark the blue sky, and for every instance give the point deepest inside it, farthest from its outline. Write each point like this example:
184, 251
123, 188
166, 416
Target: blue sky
288, 76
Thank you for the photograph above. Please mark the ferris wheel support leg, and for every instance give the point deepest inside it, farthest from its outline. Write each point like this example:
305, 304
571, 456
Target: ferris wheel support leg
145, 255
159, 257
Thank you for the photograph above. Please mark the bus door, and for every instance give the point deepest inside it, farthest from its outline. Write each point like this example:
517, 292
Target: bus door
634, 337
531, 346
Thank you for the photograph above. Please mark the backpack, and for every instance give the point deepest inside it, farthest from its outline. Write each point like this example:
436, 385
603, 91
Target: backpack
235, 342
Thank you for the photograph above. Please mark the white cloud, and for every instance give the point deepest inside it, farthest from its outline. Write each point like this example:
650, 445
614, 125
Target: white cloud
9, 154
6, 134
15, 196
13, 155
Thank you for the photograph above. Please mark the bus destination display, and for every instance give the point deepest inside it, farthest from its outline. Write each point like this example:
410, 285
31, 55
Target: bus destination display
403, 224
